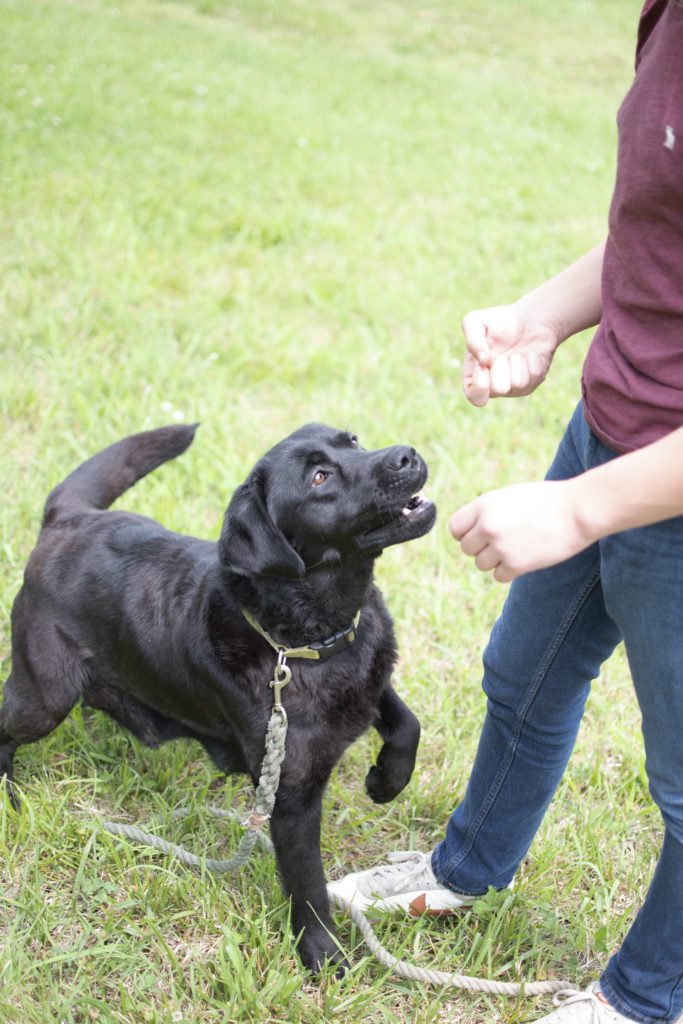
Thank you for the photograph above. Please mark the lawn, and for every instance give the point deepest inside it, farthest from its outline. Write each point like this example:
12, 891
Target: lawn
257, 214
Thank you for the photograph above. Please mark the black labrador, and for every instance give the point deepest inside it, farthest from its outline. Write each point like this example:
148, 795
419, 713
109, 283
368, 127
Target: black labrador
149, 626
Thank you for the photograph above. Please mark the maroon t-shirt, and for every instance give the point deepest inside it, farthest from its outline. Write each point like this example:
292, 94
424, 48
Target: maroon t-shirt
633, 374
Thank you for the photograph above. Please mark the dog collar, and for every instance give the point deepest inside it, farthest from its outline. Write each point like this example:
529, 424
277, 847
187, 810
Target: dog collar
319, 650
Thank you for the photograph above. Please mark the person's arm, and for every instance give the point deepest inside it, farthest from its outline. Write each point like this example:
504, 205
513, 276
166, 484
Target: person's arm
573, 298
534, 525
510, 348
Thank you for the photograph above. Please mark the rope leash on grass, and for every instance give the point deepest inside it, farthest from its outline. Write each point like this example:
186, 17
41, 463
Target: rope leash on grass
444, 979
263, 806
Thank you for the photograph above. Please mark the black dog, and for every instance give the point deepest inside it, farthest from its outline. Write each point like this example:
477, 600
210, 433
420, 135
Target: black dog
149, 626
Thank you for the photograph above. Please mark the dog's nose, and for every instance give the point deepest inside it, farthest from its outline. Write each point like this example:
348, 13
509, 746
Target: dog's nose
401, 457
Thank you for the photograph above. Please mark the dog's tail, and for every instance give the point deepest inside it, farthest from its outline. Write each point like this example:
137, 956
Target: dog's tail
95, 484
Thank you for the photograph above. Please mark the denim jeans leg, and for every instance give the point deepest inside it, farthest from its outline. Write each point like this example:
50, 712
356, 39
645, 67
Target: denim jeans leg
643, 582
546, 647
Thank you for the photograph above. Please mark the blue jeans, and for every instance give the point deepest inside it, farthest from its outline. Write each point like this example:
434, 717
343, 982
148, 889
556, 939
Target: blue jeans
557, 627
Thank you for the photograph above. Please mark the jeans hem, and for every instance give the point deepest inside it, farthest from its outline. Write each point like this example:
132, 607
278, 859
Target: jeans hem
618, 1003
442, 881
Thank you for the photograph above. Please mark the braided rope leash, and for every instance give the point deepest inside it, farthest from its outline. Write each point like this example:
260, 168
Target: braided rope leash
444, 979
263, 807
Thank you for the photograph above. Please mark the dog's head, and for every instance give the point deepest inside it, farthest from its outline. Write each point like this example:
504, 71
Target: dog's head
319, 498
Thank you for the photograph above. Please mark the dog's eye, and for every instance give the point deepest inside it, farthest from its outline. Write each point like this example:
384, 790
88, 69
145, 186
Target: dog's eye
319, 478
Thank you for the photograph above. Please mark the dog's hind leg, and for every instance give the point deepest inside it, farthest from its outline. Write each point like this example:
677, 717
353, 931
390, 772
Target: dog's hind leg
7, 749
46, 680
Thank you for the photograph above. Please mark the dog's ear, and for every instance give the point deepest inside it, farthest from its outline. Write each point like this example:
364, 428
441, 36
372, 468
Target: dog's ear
251, 544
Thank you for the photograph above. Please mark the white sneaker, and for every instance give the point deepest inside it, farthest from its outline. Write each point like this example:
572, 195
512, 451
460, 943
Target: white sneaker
583, 1006
406, 883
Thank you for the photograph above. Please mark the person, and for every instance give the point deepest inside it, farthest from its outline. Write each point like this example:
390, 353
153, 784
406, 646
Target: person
595, 552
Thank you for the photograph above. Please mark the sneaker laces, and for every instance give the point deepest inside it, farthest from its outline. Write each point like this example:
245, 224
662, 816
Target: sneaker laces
601, 1011
407, 869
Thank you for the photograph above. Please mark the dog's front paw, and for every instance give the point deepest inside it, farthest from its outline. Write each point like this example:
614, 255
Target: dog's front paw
320, 950
382, 787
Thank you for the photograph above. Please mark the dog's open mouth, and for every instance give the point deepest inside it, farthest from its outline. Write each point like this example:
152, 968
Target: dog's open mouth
413, 520
417, 504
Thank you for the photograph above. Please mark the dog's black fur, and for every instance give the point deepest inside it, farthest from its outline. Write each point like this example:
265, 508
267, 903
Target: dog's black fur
147, 625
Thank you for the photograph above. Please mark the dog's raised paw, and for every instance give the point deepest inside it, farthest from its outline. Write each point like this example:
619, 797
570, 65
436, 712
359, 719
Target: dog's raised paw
381, 789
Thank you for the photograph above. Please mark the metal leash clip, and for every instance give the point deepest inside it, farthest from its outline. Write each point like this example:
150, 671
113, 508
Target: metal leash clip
281, 677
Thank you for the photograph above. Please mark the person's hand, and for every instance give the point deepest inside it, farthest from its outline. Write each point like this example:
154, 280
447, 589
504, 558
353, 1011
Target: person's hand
522, 527
508, 352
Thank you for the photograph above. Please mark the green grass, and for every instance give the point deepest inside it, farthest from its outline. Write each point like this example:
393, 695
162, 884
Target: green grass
256, 214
